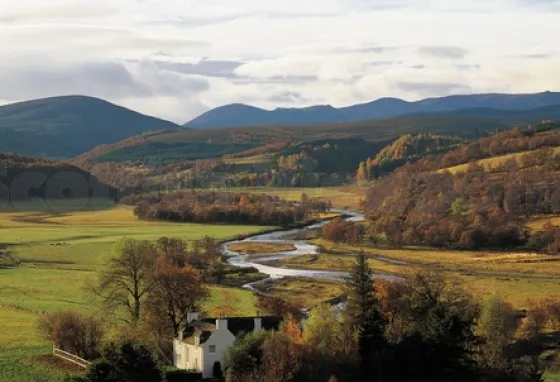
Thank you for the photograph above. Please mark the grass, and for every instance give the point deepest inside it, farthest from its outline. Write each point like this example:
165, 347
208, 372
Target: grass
252, 248
514, 276
58, 254
342, 197
491, 163
316, 291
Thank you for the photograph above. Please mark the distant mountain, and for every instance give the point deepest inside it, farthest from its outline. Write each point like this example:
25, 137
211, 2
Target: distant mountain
243, 115
63, 127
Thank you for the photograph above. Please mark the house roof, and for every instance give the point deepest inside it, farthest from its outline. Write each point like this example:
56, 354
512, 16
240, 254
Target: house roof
236, 325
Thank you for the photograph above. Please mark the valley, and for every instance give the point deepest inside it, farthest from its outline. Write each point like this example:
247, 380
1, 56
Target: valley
270, 218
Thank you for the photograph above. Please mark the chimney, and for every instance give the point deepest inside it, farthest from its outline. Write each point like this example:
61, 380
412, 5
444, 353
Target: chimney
258, 323
221, 324
192, 316
180, 335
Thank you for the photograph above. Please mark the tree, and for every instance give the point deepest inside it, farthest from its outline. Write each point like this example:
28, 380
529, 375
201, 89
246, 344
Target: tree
322, 331
175, 292
125, 362
126, 279
361, 299
362, 313
244, 356
497, 326
227, 306
72, 332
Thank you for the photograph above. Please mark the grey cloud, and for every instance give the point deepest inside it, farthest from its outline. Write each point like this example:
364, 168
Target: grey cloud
447, 52
97, 78
432, 88
208, 68
287, 97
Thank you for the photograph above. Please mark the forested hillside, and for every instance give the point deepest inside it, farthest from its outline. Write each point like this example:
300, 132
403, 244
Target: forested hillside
422, 204
407, 148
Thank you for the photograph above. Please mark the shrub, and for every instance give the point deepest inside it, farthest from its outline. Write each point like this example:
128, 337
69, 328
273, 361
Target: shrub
72, 332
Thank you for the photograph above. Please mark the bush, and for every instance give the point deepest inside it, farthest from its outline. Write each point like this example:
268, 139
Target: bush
125, 362
72, 332
176, 375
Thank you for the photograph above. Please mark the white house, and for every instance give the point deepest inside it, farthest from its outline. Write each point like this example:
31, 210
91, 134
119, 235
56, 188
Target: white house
203, 342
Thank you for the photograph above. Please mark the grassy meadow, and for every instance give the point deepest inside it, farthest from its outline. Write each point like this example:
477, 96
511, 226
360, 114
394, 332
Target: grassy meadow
514, 276
58, 254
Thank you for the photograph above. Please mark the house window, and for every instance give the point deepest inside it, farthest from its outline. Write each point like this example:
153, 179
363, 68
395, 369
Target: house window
212, 349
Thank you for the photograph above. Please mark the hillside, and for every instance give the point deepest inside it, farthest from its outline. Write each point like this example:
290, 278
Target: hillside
481, 105
478, 206
63, 127
406, 148
36, 183
157, 148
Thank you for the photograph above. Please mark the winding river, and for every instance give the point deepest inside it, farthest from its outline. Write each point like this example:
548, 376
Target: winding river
302, 248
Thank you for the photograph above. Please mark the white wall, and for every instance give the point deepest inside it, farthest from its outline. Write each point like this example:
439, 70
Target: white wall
223, 340
187, 357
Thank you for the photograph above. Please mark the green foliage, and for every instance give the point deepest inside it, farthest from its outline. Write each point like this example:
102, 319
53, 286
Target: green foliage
153, 153
125, 362
244, 355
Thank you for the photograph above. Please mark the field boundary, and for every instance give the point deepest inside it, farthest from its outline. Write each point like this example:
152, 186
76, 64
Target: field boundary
71, 357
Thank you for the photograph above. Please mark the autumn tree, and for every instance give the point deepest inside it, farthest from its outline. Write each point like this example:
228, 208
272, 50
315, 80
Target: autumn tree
227, 306
175, 292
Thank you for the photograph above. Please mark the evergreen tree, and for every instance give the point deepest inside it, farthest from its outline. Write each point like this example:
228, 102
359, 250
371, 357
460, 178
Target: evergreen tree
361, 299
362, 313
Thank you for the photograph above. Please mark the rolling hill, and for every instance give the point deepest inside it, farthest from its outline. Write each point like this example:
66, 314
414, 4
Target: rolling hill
63, 127
42, 184
244, 115
177, 145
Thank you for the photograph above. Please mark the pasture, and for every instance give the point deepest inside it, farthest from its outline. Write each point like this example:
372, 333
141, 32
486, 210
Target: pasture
58, 254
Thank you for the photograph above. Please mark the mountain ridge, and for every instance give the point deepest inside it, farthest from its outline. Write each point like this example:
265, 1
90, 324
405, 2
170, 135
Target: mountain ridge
237, 115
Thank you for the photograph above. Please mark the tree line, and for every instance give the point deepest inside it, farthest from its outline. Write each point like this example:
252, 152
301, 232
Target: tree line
212, 207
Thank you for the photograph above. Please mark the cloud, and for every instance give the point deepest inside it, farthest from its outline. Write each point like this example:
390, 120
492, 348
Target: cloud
177, 58
450, 52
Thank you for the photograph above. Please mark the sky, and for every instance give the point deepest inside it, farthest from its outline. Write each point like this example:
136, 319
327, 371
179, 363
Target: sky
176, 59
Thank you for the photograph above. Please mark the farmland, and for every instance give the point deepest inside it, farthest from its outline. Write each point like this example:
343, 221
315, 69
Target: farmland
58, 255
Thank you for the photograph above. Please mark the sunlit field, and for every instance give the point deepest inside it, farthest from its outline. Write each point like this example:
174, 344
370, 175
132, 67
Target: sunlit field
58, 254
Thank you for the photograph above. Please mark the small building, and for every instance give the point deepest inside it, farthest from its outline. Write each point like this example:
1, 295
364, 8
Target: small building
200, 347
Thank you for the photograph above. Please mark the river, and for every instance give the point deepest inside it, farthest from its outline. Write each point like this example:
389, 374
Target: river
302, 248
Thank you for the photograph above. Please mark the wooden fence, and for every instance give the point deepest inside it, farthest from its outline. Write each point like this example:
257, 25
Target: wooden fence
70, 357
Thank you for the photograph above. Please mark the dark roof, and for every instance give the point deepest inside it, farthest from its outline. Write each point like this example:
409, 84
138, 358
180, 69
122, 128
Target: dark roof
236, 325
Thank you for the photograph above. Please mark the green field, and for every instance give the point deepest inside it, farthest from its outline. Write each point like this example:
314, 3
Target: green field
58, 255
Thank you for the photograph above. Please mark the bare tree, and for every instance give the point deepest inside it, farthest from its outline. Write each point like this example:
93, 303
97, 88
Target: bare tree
127, 278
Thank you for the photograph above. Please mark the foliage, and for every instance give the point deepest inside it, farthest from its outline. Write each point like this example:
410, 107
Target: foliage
244, 355
497, 325
72, 332
175, 292
406, 148
220, 207
343, 231
125, 362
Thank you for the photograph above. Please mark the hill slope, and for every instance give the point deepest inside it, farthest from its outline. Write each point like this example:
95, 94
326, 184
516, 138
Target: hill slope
68, 126
155, 146
243, 115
